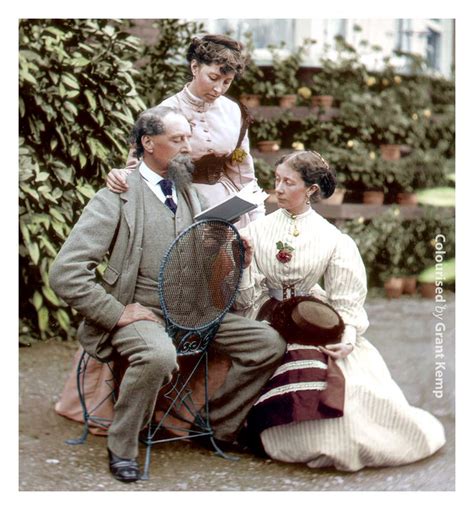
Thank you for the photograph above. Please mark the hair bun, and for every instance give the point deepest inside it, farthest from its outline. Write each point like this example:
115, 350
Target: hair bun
327, 183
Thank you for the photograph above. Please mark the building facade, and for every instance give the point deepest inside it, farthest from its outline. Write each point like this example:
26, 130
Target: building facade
432, 39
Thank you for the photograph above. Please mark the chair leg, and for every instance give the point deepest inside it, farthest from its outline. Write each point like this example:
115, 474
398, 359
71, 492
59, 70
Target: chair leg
81, 369
88, 416
149, 444
79, 440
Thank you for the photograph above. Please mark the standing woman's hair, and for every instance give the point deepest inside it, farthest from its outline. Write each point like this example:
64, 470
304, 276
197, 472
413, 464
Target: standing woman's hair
218, 49
313, 169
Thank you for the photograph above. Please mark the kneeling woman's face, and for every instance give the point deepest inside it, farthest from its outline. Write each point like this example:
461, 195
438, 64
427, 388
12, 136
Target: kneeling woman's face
291, 191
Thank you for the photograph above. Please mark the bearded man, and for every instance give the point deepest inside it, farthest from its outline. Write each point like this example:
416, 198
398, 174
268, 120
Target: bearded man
121, 309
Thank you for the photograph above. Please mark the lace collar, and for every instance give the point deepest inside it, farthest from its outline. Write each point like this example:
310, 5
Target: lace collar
193, 101
297, 216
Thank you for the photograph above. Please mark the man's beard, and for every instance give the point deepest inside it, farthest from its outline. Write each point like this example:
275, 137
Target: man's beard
180, 171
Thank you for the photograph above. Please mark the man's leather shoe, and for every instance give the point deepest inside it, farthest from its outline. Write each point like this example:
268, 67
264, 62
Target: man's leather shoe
125, 470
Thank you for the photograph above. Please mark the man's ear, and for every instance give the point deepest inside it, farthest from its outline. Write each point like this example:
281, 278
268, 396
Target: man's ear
147, 143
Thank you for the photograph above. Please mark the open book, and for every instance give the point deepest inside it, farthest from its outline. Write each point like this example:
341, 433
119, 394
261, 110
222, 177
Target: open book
230, 209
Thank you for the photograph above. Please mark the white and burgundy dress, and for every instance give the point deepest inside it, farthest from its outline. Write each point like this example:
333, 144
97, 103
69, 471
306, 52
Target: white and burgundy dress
377, 426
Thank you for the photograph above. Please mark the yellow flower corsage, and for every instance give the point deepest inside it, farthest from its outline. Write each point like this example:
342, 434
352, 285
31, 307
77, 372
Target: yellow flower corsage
238, 155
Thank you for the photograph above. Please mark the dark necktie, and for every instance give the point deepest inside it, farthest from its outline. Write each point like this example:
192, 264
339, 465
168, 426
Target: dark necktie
167, 186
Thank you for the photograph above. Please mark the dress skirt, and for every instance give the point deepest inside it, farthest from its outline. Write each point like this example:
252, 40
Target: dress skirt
379, 426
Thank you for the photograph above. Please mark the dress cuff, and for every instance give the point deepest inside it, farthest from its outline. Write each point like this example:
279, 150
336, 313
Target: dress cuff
246, 280
350, 335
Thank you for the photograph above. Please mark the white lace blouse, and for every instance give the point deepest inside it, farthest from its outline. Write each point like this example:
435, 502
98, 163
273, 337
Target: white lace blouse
216, 129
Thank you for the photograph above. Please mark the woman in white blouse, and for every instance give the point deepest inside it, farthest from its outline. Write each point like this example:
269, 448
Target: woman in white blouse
219, 143
295, 248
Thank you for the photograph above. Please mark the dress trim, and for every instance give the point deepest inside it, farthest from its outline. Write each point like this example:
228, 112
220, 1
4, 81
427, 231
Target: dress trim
298, 365
289, 388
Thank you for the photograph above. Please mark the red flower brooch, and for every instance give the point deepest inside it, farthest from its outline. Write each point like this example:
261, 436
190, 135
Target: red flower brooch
284, 252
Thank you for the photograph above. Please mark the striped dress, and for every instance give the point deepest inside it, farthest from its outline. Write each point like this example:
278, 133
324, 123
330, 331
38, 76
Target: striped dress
379, 427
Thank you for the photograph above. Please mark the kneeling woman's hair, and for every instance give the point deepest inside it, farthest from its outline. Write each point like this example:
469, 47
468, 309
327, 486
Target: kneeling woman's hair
313, 169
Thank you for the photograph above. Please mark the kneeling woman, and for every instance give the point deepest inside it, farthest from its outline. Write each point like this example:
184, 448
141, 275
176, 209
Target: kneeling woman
294, 248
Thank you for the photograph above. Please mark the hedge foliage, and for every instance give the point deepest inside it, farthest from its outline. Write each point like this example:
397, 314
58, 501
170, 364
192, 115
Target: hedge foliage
392, 246
78, 99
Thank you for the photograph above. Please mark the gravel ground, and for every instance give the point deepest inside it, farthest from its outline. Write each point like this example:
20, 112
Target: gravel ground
403, 331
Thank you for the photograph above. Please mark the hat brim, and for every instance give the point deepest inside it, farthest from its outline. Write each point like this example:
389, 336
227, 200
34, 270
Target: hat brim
307, 320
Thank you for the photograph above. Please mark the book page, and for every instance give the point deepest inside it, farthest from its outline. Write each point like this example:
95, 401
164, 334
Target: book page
230, 209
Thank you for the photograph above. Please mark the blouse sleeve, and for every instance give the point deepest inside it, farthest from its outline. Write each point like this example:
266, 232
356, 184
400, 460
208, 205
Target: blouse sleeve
345, 282
252, 286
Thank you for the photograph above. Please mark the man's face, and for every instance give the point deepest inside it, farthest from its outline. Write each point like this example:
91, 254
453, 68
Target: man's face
160, 149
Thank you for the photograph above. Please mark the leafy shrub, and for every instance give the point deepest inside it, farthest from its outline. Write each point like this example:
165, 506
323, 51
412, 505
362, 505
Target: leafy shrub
163, 66
78, 99
265, 174
390, 245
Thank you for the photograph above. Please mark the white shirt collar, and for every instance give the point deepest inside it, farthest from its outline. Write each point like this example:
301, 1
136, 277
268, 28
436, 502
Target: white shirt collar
148, 174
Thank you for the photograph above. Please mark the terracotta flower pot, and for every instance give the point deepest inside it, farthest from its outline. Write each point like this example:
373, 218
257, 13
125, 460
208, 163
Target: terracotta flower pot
393, 287
288, 101
409, 285
428, 290
268, 146
336, 198
390, 152
322, 101
250, 100
373, 197
407, 199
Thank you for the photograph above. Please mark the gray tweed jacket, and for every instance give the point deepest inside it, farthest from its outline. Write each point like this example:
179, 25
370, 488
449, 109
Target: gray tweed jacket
110, 224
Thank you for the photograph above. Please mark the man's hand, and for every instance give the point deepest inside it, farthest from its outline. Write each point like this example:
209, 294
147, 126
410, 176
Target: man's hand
337, 351
136, 312
117, 179
248, 247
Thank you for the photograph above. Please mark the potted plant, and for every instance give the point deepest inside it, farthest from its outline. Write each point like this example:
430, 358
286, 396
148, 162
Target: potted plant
374, 179
394, 250
323, 89
393, 286
402, 181
258, 90
251, 86
342, 74
422, 169
443, 272
265, 174
265, 133
390, 124
285, 69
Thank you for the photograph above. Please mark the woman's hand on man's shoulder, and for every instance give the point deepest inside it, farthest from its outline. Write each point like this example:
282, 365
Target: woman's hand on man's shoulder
117, 179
